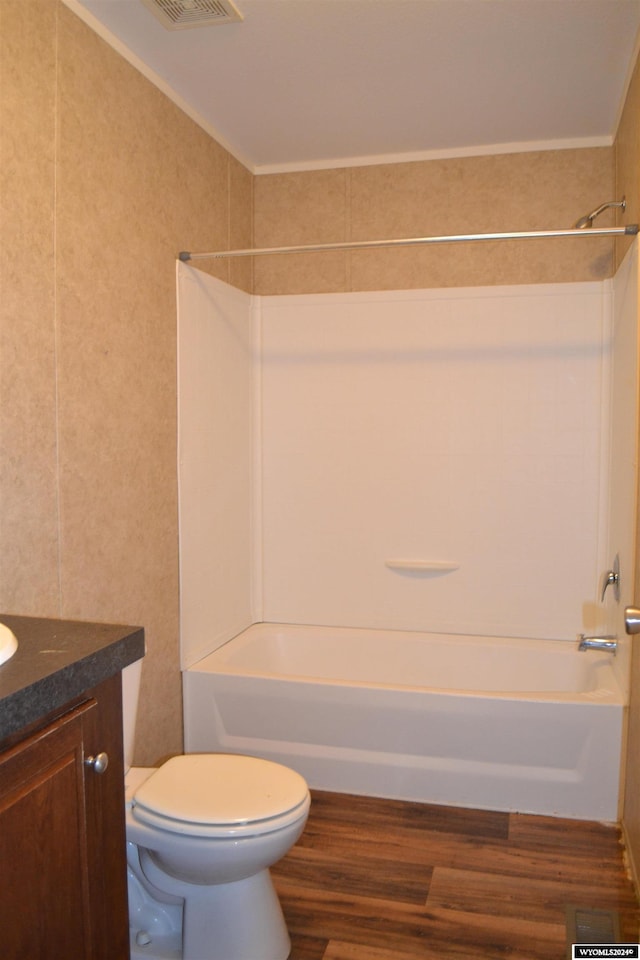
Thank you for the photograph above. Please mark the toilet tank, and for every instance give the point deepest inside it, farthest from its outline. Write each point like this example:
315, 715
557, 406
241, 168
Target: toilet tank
130, 694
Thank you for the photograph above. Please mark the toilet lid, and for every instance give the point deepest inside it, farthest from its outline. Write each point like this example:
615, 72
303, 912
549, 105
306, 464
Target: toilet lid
219, 790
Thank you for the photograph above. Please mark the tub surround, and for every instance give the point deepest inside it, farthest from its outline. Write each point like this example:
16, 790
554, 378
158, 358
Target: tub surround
337, 432
56, 661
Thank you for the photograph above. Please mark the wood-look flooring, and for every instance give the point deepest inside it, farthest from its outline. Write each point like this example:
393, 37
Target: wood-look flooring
386, 880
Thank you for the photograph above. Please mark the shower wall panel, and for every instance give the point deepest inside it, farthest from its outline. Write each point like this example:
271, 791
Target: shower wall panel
215, 437
461, 426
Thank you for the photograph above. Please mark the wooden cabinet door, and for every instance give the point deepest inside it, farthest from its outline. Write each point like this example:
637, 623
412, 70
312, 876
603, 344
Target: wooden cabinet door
106, 842
45, 888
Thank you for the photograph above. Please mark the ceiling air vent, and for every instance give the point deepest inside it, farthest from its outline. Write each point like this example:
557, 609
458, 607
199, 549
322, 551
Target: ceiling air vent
182, 14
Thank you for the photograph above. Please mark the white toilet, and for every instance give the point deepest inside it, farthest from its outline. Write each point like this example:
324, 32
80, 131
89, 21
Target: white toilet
202, 832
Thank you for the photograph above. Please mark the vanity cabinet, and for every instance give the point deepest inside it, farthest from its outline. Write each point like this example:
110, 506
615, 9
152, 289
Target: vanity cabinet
63, 884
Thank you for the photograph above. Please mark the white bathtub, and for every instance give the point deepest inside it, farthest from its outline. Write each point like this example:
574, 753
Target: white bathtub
494, 723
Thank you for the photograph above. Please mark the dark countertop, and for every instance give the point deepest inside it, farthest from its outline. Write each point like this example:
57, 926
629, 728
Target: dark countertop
56, 661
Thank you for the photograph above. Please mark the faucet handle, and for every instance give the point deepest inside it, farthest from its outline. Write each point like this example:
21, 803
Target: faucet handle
612, 577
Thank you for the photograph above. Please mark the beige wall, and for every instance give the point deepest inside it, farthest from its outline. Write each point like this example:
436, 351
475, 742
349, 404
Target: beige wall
526, 191
627, 150
103, 181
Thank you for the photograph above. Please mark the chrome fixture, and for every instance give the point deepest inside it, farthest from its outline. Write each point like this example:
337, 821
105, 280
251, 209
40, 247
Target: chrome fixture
99, 763
630, 230
632, 620
612, 578
587, 221
606, 642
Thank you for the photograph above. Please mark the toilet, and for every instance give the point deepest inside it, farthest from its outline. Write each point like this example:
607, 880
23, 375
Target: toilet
202, 832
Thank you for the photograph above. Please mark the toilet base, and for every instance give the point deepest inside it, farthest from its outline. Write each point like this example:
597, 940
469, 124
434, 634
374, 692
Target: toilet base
245, 920
155, 919
161, 948
216, 934
242, 920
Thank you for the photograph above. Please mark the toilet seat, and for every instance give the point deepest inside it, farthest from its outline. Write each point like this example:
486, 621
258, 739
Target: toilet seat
221, 795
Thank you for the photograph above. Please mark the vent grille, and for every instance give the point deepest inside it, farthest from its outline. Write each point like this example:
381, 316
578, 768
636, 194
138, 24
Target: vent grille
586, 925
182, 14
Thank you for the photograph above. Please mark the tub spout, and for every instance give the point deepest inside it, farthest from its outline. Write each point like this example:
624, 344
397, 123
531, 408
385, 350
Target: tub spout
607, 642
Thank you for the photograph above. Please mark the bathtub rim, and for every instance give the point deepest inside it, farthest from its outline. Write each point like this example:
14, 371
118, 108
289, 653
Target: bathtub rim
607, 694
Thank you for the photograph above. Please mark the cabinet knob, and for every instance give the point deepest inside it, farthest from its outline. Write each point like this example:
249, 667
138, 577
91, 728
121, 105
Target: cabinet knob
99, 763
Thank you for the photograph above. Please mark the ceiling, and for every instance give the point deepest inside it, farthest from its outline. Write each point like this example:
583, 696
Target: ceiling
303, 84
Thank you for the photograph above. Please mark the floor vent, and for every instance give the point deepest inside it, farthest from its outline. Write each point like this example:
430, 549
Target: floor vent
181, 14
586, 925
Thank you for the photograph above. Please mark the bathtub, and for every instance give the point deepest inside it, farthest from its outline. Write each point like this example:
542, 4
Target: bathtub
486, 722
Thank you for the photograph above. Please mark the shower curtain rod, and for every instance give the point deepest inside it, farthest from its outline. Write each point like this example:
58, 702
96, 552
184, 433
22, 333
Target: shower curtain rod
630, 230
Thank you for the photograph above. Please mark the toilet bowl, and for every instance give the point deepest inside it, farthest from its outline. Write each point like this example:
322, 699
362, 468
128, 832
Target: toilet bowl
202, 831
